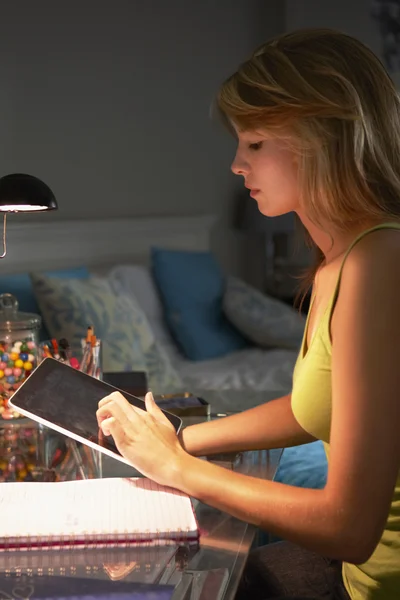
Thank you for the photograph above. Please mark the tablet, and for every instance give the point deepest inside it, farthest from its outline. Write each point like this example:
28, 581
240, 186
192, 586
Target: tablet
66, 400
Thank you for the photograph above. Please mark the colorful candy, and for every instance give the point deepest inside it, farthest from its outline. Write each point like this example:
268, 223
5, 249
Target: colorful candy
17, 360
18, 448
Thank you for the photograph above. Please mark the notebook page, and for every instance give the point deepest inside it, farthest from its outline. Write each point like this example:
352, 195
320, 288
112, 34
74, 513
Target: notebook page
98, 507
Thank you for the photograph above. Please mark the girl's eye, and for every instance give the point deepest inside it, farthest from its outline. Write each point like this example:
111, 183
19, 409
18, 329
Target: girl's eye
255, 146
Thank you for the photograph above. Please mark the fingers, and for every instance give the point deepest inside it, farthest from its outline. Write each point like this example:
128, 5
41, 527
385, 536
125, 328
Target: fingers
113, 406
112, 426
106, 424
155, 410
117, 399
116, 407
114, 397
121, 400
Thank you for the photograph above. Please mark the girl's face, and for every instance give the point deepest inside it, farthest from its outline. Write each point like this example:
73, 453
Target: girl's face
270, 172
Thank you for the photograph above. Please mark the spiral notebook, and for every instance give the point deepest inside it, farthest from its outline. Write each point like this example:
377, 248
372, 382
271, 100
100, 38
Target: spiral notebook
93, 513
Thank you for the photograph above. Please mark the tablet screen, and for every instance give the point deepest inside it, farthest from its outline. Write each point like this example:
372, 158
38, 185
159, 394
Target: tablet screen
67, 400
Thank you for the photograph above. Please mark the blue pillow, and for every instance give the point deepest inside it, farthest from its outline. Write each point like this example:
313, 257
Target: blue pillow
301, 466
20, 286
191, 286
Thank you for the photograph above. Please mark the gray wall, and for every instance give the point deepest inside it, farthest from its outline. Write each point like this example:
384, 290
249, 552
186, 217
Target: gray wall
108, 102
350, 16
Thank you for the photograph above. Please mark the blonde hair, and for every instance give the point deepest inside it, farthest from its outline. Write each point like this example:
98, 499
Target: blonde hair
334, 98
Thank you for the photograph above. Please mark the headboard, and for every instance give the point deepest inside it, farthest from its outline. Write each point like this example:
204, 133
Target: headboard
62, 244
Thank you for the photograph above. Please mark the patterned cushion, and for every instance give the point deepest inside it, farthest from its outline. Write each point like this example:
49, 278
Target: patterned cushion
136, 281
68, 306
20, 286
265, 321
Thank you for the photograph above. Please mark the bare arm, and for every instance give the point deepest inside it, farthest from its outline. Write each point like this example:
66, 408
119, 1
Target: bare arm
270, 425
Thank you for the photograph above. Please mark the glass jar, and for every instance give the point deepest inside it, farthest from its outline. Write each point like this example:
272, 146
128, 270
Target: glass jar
19, 338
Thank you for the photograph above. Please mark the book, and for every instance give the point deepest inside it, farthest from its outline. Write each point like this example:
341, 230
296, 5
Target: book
183, 405
133, 382
94, 513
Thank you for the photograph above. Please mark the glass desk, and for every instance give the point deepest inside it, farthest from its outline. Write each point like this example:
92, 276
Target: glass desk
210, 571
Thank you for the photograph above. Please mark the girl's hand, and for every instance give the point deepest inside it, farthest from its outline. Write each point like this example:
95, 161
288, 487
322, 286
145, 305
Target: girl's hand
144, 437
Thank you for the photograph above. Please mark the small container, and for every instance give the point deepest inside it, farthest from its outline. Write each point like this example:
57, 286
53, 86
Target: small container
60, 350
18, 349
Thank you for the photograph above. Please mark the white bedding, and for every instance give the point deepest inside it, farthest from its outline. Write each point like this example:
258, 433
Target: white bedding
250, 369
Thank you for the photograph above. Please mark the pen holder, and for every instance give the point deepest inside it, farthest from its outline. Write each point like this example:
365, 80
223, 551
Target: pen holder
88, 360
91, 361
56, 349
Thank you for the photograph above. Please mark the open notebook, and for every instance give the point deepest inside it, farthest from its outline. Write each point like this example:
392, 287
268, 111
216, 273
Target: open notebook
94, 512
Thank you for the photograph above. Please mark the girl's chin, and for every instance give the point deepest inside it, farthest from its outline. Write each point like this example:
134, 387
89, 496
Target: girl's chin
270, 212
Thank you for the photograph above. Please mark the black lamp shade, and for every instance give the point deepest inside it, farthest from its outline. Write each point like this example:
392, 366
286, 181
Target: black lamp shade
25, 193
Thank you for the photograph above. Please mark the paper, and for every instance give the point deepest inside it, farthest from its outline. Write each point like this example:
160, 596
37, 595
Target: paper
112, 509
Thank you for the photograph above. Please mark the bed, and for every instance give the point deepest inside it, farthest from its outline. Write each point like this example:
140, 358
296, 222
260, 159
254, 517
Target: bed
100, 245
235, 381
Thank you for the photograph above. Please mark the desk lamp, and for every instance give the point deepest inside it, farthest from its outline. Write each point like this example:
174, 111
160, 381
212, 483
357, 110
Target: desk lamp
23, 193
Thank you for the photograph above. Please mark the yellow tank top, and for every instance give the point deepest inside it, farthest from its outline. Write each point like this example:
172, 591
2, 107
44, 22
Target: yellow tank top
379, 577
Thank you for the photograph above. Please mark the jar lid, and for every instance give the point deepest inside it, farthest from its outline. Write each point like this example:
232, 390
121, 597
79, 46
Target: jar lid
11, 319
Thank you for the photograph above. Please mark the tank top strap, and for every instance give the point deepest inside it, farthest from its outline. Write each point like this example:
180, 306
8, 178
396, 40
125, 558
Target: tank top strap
354, 243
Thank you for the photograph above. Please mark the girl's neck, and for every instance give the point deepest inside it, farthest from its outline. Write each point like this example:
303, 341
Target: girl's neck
332, 242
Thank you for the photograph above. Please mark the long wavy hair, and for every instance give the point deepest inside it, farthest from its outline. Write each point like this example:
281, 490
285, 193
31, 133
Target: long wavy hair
332, 97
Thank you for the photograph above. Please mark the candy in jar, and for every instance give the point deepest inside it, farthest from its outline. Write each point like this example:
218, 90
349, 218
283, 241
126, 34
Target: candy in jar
18, 349
18, 452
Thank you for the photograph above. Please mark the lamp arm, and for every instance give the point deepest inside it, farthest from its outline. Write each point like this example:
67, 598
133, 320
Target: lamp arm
4, 236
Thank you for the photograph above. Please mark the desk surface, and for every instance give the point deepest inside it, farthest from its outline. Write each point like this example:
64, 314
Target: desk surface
226, 541
217, 563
